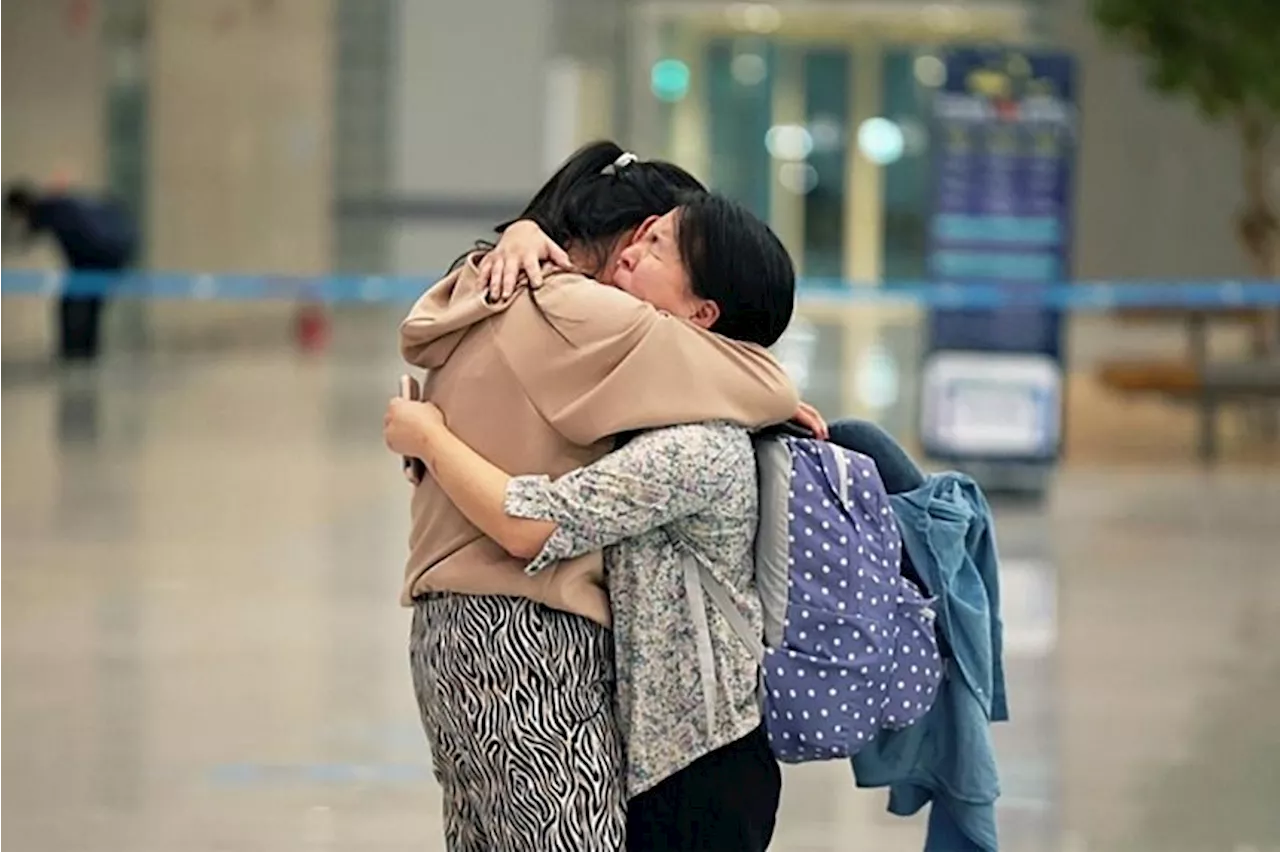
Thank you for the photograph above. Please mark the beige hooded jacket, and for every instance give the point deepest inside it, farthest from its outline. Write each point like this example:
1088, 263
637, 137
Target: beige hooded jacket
542, 383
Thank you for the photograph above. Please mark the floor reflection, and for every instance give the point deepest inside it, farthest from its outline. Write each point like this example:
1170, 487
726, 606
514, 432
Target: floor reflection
203, 650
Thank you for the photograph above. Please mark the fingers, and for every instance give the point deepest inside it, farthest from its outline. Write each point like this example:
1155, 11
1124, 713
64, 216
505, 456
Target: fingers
552, 254
485, 269
819, 426
532, 267
386, 424
559, 257
810, 418
822, 431
510, 276
493, 286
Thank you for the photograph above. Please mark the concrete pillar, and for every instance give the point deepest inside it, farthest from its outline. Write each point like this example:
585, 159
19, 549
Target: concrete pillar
240, 126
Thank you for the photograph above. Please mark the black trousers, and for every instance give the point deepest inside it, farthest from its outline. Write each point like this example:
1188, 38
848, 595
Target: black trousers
726, 801
79, 327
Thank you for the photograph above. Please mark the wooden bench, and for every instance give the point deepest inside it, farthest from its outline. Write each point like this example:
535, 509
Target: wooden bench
1197, 378
1261, 324
1209, 385
1171, 378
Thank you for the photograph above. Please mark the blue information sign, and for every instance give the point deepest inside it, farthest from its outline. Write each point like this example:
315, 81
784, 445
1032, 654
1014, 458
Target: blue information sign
1004, 130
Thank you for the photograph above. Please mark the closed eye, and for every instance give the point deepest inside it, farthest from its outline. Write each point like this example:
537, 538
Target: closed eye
653, 244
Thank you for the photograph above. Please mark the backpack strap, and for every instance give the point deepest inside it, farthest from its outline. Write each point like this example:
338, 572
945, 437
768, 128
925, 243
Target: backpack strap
699, 581
699, 575
842, 472
702, 636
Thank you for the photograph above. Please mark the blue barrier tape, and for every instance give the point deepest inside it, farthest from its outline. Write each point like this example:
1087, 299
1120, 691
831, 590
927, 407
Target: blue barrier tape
1080, 296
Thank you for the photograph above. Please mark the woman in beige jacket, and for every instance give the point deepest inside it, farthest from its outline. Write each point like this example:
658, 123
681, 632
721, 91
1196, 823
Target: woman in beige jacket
701, 776
517, 697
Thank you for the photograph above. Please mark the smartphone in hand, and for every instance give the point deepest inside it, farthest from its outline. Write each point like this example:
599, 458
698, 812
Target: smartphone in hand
414, 469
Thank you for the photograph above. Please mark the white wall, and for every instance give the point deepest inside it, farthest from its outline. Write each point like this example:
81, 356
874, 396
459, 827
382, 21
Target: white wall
1157, 186
1157, 190
471, 94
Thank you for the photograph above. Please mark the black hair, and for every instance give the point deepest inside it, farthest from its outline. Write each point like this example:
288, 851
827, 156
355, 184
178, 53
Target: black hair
736, 261
19, 198
591, 202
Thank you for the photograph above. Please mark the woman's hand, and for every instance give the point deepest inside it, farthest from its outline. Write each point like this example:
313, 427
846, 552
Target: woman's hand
407, 426
809, 417
522, 248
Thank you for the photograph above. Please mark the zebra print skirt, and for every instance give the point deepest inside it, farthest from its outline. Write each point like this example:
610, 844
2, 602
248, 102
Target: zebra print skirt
517, 703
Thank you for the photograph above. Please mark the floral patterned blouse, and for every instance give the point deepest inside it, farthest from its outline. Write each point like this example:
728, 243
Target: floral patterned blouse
668, 495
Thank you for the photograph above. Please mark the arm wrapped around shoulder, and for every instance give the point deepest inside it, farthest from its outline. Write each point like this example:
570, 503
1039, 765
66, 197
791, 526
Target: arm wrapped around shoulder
598, 362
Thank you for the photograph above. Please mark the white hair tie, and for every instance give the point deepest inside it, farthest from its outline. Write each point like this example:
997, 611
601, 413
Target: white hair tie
625, 159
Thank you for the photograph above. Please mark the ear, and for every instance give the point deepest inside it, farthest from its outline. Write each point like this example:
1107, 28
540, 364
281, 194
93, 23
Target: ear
645, 227
706, 314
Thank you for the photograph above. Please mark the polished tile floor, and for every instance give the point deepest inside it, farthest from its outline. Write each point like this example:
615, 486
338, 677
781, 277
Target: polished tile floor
202, 648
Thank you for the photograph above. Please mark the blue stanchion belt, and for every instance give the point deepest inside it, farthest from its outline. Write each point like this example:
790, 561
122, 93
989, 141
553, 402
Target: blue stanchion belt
1078, 296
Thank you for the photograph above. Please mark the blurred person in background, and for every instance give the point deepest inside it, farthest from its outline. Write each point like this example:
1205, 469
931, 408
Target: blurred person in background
516, 696
96, 234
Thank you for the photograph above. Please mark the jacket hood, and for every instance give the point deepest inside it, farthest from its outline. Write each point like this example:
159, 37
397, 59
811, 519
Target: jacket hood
443, 315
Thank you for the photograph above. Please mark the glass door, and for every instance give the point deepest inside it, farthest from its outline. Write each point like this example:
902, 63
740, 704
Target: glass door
814, 118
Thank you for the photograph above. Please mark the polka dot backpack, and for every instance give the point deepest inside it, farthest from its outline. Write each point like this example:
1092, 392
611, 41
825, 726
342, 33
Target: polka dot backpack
849, 646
